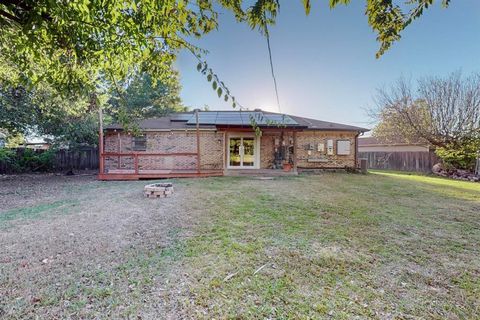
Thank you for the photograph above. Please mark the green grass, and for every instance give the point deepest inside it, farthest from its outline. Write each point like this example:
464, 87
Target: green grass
338, 245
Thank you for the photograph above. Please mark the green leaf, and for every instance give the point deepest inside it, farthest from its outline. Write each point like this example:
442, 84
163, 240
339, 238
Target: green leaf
225, 98
209, 77
214, 85
219, 92
306, 6
199, 66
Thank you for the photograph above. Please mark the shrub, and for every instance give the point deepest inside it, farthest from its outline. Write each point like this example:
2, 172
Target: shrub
7, 155
27, 160
461, 155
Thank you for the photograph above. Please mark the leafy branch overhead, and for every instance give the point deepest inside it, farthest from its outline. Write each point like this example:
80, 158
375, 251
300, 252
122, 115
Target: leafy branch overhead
217, 85
75, 45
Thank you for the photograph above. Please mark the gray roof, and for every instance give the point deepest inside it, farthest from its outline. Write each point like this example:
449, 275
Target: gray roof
214, 119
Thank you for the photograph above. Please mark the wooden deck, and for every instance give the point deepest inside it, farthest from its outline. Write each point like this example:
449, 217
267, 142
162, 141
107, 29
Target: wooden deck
125, 174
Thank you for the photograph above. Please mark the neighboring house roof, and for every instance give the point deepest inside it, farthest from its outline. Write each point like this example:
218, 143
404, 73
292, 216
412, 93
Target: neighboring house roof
214, 119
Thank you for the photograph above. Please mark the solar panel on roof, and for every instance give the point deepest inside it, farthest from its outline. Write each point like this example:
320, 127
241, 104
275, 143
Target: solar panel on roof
181, 117
239, 118
281, 119
203, 118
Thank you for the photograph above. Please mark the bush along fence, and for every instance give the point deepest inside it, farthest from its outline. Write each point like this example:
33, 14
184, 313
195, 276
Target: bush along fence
27, 160
401, 161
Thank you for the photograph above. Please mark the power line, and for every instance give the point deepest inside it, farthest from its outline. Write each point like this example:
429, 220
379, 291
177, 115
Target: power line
267, 34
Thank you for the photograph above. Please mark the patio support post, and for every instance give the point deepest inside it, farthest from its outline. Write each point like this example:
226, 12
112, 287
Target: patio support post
100, 141
294, 151
198, 140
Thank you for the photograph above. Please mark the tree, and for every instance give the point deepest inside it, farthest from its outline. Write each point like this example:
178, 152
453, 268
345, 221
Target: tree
442, 111
74, 45
42, 112
144, 98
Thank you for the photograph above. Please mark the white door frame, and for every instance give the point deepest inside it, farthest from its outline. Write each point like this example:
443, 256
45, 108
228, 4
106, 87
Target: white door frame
256, 149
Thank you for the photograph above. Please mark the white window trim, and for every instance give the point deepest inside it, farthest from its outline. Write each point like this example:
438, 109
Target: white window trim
256, 151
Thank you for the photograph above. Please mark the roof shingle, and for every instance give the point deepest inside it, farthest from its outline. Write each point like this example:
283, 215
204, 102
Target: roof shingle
212, 119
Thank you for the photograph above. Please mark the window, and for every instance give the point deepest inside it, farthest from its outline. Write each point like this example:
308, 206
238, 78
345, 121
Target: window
343, 147
140, 143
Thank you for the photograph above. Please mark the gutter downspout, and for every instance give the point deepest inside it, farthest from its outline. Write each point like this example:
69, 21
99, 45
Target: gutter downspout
357, 165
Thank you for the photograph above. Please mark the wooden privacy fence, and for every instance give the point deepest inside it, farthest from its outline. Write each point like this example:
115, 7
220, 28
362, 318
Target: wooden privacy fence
403, 161
85, 158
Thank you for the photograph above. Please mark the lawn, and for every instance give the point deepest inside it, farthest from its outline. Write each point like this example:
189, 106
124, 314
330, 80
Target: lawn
334, 245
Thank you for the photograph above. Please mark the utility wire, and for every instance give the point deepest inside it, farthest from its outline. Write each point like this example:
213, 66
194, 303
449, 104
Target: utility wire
267, 35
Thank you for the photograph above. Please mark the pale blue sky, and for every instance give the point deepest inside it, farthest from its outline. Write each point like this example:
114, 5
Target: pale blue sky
325, 62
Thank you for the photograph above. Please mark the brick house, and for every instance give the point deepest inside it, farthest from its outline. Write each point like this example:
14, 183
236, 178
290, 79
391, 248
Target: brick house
216, 143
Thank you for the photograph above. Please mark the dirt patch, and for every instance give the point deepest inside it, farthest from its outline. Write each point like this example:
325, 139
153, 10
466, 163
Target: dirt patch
103, 242
18, 191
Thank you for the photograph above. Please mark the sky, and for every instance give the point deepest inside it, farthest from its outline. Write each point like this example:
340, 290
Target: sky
325, 63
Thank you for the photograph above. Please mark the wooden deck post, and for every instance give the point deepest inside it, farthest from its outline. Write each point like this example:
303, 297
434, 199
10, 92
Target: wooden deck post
198, 140
119, 149
294, 151
135, 161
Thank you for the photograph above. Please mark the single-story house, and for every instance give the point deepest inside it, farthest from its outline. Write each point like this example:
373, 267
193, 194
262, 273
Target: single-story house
216, 143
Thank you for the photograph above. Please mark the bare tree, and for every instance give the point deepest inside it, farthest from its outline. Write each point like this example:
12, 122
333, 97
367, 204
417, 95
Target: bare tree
443, 111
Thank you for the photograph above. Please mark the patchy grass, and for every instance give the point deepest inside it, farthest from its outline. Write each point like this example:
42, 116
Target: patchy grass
36, 211
384, 245
381, 246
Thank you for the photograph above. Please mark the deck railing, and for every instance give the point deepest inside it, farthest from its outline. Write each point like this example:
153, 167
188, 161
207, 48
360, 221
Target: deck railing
137, 155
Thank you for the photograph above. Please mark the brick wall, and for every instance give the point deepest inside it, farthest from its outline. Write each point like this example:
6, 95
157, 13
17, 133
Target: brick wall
321, 159
212, 146
267, 149
211, 150
267, 146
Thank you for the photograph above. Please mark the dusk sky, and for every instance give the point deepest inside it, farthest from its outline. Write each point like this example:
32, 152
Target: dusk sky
325, 62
